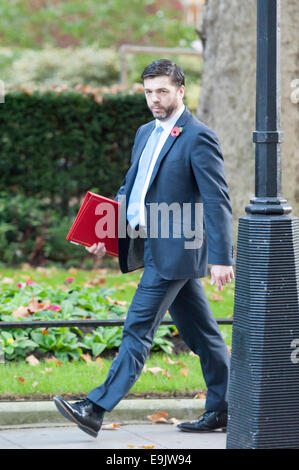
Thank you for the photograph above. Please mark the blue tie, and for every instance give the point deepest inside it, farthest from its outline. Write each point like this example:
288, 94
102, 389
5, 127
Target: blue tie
144, 164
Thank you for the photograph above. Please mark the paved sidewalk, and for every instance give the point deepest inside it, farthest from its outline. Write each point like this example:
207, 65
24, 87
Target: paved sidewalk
130, 436
38, 425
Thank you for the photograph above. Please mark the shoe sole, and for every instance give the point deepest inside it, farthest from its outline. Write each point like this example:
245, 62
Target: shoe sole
194, 430
65, 412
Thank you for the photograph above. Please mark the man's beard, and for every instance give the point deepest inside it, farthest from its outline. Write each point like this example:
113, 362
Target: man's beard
165, 113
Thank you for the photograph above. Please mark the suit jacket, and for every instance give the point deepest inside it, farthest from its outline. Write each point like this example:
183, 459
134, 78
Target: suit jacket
189, 169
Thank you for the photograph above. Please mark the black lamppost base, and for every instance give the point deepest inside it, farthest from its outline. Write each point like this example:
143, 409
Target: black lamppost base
268, 206
264, 382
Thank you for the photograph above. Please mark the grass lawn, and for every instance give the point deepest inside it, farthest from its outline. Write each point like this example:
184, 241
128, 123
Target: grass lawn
162, 374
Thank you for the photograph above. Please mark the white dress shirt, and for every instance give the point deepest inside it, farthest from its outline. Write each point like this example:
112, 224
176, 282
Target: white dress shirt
167, 126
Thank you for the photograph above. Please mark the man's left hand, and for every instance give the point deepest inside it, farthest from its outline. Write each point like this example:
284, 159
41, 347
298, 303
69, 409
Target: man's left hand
221, 275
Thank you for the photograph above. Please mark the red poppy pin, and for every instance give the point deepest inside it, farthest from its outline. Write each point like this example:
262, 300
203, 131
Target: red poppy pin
176, 131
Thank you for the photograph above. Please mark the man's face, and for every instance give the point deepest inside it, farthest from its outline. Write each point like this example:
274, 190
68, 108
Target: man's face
163, 97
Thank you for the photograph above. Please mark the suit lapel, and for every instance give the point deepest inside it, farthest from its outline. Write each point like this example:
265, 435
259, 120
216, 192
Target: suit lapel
168, 144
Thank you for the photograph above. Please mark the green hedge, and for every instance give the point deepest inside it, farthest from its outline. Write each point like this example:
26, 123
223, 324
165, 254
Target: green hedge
32, 232
54, 148
59, 145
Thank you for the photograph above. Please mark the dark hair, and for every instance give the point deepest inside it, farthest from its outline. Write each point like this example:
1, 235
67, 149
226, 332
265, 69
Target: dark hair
164, 67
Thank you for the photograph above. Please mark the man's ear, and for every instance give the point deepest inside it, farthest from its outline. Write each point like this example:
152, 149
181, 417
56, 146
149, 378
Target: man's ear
182, 91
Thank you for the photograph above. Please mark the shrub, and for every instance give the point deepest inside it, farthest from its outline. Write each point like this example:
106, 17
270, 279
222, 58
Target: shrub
55, 146
60, 145
31, 231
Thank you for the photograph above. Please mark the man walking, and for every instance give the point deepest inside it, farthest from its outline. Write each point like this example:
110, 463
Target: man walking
176, 161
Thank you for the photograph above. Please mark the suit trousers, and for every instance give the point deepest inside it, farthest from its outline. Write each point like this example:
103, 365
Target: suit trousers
189, 308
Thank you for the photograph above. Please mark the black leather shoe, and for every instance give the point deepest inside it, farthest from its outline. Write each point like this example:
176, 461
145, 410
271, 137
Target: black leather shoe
83, 413
209, 421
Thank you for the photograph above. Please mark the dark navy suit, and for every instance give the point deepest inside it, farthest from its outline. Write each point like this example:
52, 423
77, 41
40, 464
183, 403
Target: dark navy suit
189, 169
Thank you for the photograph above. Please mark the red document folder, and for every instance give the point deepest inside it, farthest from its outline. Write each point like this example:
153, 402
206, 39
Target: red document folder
96, 221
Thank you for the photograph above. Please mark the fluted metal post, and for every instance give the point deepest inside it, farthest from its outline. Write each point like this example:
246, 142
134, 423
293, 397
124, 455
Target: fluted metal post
264, 380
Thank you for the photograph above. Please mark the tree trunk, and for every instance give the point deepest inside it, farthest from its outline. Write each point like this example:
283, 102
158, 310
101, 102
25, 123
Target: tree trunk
227, 97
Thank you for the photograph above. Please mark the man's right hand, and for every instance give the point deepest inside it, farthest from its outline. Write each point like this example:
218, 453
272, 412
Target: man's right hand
97, 249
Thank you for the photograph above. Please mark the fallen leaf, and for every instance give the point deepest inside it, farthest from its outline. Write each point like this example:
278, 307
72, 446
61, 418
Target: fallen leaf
21, 312
170, 361
199, 396
87, 358
110, 427
35, 306
179, 363
148, 447
47, 370
32, 360
191, 353
32, 307
131, 446
54, 360
159, 417
174, 421
97, 281
20, 379
35, 384
100, 360
155, 370
167, 373
116, 302
184, 372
